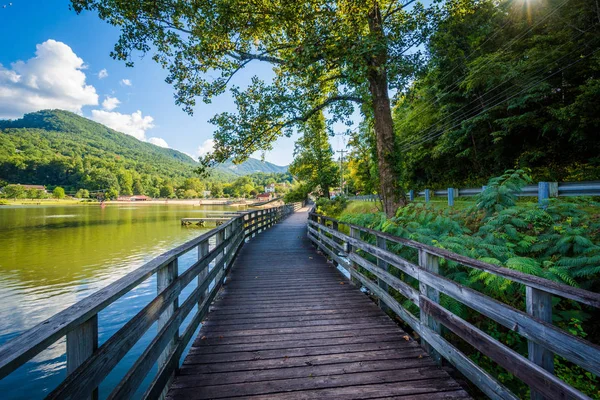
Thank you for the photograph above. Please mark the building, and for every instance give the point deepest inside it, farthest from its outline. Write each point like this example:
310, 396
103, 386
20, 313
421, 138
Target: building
34, 187
139, 198
264, 196
270, 188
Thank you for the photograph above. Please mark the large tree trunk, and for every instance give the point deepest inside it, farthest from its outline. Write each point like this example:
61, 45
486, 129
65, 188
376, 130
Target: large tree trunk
388, 156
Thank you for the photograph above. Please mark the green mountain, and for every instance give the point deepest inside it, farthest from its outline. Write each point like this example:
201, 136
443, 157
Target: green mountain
251, 166
55, 147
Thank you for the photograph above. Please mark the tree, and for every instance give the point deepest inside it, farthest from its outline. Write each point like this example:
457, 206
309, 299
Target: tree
325, 55
190, 194
166, 190
82, 194
14, 191
313, 157
58, 193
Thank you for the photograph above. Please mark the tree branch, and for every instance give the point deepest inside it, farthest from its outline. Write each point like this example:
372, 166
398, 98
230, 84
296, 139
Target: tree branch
395, 10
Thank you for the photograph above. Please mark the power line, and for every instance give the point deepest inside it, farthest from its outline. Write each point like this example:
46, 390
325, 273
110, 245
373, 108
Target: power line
409, 146
431, 129
485, 64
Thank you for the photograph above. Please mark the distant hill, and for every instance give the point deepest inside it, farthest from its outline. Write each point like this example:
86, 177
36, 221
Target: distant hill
251, 166
55, 147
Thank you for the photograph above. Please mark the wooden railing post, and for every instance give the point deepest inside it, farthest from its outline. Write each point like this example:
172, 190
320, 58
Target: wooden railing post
82, 342
335, 227
164, 277
354, 233
202, 251
431, 264
539, 305
382, 244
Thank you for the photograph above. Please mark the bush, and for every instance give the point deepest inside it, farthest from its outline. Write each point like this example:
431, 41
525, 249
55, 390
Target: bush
299, 192
333, 207
560, 243
58, 193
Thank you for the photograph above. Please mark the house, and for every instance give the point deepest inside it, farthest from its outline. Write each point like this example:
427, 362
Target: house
264, 196
206, 193
34, 187
133, 198
270, 188
139, 198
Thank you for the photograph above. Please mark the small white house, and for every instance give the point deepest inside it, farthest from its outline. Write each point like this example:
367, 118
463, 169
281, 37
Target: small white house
270, 188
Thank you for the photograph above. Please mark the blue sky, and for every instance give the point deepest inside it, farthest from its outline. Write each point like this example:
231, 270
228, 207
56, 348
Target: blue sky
52, 58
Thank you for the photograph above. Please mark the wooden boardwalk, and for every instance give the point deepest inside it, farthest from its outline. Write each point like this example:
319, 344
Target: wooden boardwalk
288, 325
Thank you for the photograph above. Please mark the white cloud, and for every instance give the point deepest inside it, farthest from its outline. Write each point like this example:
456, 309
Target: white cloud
110, 103
134, 124
207, 147
52, 79
160, 142
125, 82
103, 73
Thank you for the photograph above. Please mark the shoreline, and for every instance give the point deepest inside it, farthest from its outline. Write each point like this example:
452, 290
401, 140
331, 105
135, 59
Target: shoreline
73, 202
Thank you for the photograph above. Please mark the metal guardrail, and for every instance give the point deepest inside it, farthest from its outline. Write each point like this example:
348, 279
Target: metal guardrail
543, 190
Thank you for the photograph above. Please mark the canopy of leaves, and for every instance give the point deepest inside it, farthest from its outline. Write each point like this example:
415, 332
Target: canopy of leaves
320, 50
313, 157
521, 89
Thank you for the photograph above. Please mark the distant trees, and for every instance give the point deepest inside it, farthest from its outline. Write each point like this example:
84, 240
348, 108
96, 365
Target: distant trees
325, 55
13, 191
58, 193
82, 194
313, 157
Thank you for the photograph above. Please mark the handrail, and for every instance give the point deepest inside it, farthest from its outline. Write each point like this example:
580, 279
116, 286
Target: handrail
88, 364
535, 325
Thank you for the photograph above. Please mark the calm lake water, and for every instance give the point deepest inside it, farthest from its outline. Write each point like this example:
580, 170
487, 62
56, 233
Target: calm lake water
53, 256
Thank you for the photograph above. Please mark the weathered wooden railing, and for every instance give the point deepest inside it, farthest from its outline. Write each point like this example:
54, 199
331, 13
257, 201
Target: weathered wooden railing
88, 364
544, 339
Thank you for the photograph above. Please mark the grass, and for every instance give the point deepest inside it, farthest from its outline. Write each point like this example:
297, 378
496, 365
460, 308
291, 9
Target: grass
43, 202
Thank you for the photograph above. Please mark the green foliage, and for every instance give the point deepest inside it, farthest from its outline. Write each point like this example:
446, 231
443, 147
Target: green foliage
299, 192
493, 99
313, 157
501, 192
82, 194
560, 243
13, 191
54, 147
58, 193
331, 207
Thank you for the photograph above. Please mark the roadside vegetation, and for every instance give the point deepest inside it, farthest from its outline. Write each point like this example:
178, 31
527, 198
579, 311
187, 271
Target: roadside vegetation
560, 242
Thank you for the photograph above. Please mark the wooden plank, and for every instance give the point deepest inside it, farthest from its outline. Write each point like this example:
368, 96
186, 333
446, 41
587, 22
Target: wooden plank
308, 383
82, 342
322, 359
318, 335
164, 278
539, 305
429, 263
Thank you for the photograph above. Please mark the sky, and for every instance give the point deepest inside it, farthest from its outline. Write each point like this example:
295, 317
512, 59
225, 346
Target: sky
50, 57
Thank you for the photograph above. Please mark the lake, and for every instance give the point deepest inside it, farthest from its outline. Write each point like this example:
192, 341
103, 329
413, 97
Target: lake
53, 256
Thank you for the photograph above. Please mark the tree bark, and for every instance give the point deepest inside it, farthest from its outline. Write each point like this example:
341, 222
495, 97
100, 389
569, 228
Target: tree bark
388, 156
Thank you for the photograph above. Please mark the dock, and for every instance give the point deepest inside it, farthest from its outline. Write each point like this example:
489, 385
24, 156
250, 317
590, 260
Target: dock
288, 324
201, 221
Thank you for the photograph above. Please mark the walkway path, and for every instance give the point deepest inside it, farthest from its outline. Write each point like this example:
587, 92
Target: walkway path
288, 325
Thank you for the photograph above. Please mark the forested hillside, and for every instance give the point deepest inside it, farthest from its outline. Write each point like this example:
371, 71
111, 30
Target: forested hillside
520, 90
59, 148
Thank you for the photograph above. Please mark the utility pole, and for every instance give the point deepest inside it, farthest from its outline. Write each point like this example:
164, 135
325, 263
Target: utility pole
342, 170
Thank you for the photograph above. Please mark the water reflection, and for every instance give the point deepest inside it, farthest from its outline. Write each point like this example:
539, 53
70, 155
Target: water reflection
52, 257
